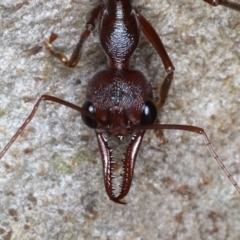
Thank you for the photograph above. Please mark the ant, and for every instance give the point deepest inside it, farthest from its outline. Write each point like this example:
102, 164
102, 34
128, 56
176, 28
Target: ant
119, 100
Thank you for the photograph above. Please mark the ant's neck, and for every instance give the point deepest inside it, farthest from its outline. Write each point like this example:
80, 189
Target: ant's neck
119, 8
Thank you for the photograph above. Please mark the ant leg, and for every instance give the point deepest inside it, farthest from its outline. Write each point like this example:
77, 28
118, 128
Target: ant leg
156, 42
226, 3
31, 115
76, 55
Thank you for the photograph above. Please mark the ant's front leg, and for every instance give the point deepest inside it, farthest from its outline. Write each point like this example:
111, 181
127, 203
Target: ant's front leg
156, 42
76, 55
226, 3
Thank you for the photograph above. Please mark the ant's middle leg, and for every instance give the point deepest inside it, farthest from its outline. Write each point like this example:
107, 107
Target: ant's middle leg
226, 3
93, 15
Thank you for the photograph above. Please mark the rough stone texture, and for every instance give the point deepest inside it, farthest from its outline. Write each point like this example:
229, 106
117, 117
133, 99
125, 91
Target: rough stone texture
51, 184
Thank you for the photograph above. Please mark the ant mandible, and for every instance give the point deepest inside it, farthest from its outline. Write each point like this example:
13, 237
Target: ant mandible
120, 100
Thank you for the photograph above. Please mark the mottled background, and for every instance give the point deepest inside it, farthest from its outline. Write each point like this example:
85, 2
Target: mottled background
51, 184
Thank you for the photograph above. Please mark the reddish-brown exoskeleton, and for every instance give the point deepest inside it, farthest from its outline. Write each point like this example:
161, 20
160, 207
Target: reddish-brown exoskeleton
119, 99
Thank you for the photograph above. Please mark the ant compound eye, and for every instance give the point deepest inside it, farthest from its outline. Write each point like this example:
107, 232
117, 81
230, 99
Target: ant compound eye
149, 113
88, 106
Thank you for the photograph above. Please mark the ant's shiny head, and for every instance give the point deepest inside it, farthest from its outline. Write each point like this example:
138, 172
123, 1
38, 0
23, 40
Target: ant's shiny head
120, 99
